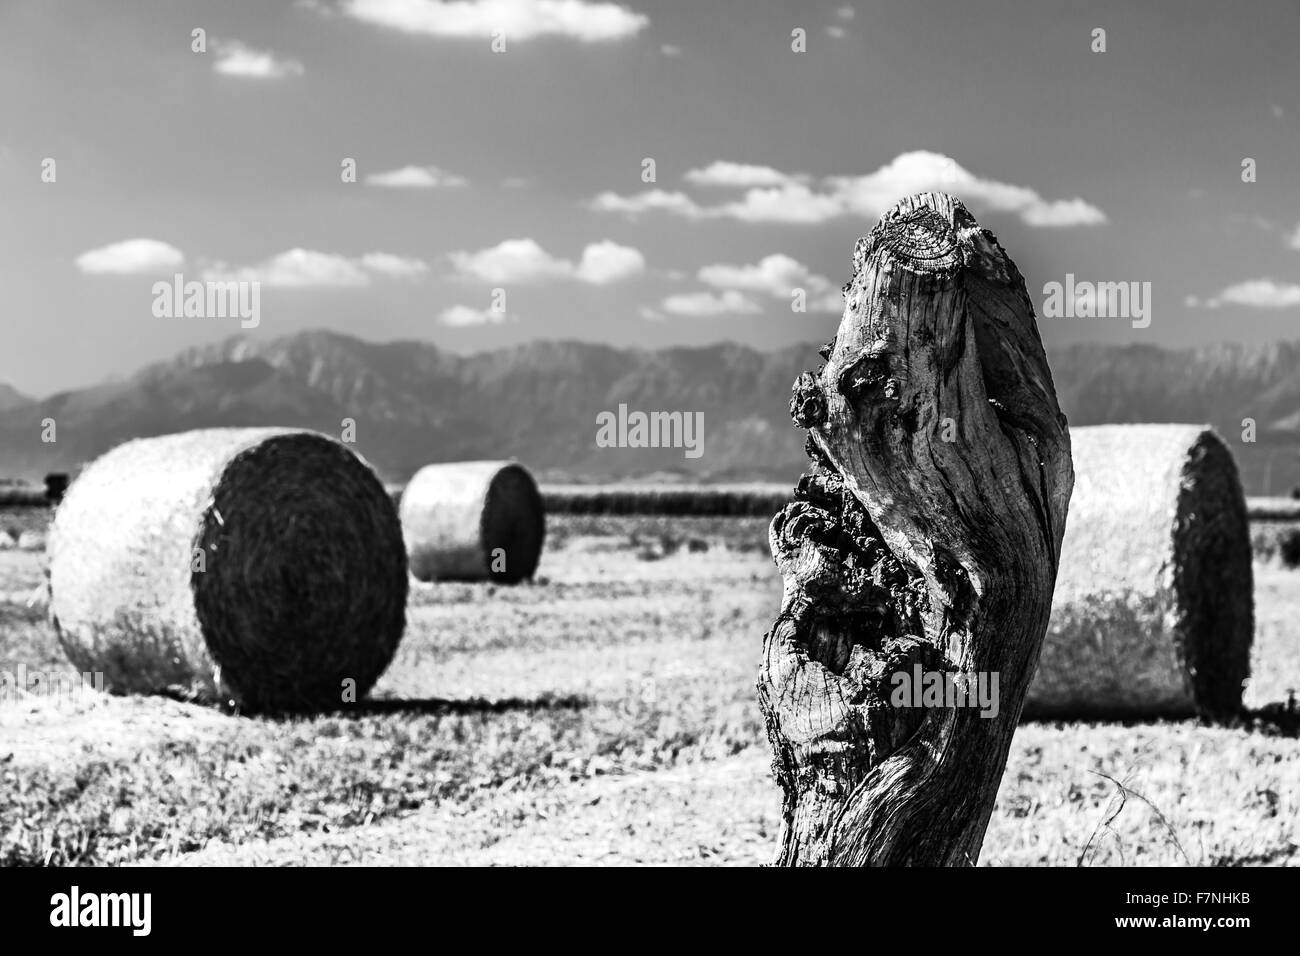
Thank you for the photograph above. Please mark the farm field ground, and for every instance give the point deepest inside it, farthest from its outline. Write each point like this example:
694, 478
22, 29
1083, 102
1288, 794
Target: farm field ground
603, 714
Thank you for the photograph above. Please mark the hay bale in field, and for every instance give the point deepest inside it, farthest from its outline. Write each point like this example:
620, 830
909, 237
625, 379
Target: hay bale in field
1153, 612
259, 566
7, 541
473, 521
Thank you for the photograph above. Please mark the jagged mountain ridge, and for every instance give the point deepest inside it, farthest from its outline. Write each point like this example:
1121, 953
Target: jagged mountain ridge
415, 403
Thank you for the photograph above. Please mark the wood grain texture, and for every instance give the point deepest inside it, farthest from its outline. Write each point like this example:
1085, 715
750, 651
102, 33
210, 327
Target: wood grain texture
929, 532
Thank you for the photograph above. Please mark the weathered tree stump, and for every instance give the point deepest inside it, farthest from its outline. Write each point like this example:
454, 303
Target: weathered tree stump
927, 534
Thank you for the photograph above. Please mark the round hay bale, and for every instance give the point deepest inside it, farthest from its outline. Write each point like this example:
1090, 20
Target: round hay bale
1153, 613
262, 567
7, 541
473, 521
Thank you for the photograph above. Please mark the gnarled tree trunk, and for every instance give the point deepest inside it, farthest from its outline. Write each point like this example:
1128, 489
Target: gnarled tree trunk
927, 536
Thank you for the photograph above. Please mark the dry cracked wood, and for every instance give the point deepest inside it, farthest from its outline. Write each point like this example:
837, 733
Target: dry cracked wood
927, 533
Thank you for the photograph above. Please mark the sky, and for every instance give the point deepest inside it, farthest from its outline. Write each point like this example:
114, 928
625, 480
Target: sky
502, 192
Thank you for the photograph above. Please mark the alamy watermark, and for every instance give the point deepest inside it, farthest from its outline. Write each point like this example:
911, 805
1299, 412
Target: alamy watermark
1101, 300
74, 908
626, 429
211, 299
21, 685
947, 689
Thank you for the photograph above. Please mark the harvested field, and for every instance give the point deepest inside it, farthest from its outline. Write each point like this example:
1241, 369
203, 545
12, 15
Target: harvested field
572, 720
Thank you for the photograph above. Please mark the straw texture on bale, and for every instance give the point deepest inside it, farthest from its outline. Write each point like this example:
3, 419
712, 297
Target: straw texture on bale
1153, 612
473, 521
260, 567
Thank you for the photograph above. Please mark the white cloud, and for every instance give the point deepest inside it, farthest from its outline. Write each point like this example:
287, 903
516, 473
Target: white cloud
836, 32
708, 304
235, 59
920, 170
605, 262
1062, 213
130, 257
524, 260
461, 316
777, 275
306, 268
651, 200
514, 260
395, 267
669, 49
1294, 241
787, 198
580, 20
416, 177
1254, 294
791, 203
739, 175
845, 12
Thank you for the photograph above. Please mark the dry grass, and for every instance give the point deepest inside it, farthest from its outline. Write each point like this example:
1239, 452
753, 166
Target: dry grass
605, 713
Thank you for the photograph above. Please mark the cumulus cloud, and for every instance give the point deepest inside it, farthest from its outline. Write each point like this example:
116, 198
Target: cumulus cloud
524, 260
235, 59
770, 195
723, 173
709, 304
652, 200
778, 276
395, 267
920, 170
790, 203
514, 260
605, 262
130, 257
588, 22
1062, 213
462, 316
305, 268
416, 177
1253, 294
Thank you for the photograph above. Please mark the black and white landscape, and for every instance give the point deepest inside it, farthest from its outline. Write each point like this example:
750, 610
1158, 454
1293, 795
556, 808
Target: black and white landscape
423, 371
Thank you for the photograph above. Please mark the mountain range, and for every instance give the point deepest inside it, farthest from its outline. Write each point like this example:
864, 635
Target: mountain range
414, 403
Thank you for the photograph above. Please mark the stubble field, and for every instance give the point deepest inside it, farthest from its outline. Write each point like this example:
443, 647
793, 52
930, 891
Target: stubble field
603, 714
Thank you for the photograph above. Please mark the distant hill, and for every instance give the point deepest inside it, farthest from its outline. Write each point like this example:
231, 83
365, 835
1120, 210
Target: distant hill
414, 403
11, 398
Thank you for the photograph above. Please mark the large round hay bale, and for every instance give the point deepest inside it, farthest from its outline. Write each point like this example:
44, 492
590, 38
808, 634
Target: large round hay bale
1153, 613
473, 521
262, 567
